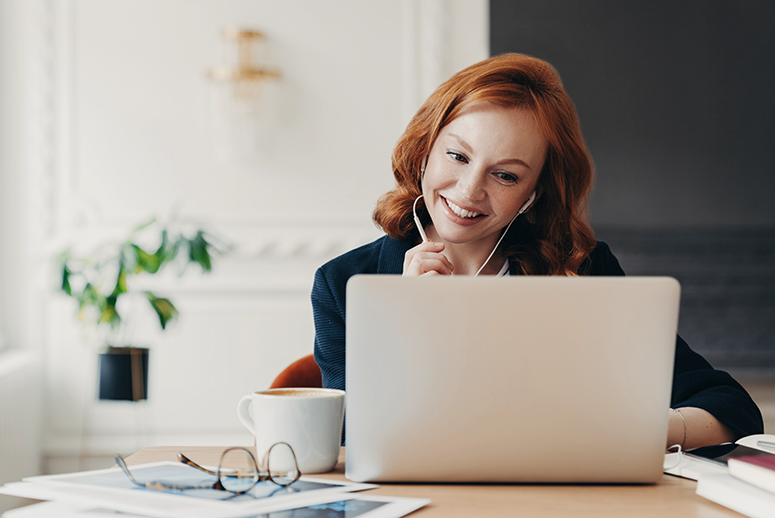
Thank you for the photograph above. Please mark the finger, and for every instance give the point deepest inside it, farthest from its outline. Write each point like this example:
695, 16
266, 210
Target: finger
438, 262
425, 262
426, 246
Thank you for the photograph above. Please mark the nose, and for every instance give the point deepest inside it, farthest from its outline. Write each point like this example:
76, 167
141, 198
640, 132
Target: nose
471, 185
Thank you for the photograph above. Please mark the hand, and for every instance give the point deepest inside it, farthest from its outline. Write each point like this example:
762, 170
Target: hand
426, 259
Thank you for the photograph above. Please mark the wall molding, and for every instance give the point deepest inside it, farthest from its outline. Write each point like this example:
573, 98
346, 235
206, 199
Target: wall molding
322, 239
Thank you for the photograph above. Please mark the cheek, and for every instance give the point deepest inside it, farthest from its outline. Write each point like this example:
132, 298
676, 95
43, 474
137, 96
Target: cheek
426, 189
428, 184
436, 178
508, 205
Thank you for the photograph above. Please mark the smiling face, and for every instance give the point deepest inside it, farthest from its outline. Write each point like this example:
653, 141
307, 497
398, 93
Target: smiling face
482, 168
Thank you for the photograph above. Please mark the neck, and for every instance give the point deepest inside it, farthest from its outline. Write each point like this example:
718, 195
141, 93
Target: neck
467, 258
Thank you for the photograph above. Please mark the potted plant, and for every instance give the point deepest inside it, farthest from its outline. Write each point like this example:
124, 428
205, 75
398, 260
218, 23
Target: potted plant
103, 284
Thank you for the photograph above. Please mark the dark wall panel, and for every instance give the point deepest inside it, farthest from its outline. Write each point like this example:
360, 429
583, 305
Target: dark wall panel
676, 100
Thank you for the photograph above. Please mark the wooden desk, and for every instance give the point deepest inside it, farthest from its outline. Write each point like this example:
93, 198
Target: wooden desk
671, 497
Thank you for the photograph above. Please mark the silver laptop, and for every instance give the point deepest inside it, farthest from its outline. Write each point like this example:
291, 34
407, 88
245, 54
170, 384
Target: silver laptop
515, 379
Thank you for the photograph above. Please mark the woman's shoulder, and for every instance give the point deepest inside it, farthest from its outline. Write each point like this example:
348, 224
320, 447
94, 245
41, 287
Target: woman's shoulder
601, 262
357, 260
383, 255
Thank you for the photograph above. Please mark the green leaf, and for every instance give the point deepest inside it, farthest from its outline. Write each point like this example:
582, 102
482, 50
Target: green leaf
65, 287
171, 252
198, 251
120, 282
163, 307
146, 262
90, 296
168, 249
109, 315
128, 257
161, 252
106, 306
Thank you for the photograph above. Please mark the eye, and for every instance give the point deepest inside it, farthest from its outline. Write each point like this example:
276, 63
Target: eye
506, 177
457, 157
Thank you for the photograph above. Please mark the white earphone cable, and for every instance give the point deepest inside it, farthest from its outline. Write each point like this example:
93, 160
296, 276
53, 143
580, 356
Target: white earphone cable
521, 210
497, 244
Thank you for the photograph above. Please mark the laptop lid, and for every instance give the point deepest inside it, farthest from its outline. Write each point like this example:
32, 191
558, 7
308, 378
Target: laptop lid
511, 379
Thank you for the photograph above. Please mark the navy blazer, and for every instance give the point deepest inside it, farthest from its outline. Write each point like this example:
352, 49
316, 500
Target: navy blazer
695, 382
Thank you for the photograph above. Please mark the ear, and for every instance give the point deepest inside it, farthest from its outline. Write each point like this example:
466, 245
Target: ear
539, 190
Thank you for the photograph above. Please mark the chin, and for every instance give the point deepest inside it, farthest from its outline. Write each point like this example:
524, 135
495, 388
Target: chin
459, 238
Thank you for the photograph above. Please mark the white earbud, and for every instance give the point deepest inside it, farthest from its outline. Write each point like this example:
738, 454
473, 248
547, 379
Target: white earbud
527, 204
417, 220
414, 206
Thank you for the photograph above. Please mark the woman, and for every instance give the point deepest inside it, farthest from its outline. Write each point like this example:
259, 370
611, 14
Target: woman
496, 167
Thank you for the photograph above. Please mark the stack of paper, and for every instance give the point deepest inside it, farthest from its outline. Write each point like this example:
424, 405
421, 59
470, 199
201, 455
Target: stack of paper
730, 486
737, 495
109, 492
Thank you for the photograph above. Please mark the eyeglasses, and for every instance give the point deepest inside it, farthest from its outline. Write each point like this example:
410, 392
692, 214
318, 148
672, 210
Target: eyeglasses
239, 481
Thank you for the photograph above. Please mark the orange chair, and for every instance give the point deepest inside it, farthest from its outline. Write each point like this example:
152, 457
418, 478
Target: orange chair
303, 373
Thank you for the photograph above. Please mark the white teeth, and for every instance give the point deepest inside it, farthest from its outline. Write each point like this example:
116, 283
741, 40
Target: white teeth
463, 213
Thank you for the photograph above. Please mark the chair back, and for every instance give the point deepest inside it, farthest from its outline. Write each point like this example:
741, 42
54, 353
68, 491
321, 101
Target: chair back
303, 373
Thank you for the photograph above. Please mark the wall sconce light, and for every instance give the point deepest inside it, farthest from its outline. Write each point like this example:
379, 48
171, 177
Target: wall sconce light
237, 93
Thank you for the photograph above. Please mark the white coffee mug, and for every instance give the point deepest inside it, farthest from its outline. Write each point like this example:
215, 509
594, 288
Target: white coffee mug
309, 419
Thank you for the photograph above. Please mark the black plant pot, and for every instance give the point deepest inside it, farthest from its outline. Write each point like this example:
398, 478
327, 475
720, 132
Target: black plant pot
124, 374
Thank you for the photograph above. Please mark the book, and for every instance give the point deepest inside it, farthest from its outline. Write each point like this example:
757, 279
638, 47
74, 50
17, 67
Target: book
758, 470
737, 495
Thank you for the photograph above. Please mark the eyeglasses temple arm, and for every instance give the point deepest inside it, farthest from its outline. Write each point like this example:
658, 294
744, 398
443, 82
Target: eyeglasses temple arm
188, 462
121, 464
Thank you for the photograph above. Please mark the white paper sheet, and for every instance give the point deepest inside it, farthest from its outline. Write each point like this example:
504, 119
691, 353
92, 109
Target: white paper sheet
344, 505
111, 489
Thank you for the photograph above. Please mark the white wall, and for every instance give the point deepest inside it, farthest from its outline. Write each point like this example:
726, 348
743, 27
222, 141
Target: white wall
20, 379
129, 139
16, 167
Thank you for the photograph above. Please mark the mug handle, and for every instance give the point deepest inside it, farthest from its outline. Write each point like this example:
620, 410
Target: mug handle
243, 412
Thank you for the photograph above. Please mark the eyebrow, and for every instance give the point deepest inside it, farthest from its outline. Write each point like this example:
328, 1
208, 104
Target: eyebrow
470, 150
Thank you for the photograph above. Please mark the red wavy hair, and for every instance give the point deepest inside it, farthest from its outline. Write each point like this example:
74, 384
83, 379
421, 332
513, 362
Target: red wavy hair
554, 237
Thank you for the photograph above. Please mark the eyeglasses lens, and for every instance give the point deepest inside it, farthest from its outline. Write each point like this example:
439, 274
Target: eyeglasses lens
281, 464
238, 471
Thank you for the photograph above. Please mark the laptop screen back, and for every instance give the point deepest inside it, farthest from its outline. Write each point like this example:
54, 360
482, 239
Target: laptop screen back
516, 379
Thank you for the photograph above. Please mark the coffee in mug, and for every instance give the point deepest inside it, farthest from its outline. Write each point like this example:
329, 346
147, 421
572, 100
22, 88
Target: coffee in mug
309, 419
